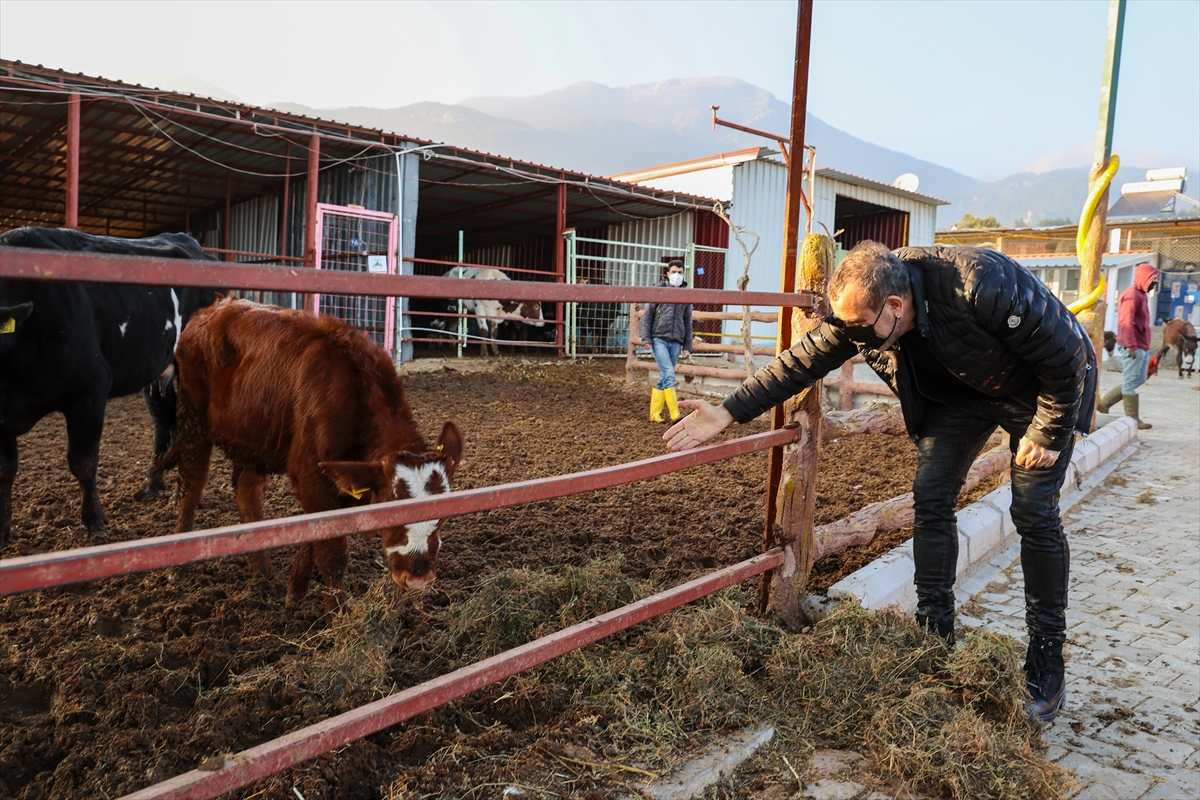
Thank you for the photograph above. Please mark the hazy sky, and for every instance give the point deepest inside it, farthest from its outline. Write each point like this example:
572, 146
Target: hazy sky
987, 88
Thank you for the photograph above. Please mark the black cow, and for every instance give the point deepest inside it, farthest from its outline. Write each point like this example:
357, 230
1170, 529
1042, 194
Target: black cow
68, 347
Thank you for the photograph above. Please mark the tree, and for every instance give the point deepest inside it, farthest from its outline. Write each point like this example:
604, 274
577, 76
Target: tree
972, 221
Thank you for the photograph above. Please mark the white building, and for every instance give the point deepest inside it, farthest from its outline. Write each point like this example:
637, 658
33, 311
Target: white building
752, 185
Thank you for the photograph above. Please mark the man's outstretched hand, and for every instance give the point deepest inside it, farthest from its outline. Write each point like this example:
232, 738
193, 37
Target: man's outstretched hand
705, 422
1031, 455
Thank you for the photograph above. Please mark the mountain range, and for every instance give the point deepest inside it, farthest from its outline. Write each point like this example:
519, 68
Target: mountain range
605, 130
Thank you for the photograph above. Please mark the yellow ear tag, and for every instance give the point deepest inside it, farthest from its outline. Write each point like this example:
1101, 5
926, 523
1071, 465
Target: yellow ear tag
439, 447
357, 493
9, 325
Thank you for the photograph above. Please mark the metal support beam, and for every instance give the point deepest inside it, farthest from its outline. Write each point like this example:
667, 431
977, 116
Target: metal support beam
228, 209
781, 415
71, 215
287, 191
310, 218
560, 265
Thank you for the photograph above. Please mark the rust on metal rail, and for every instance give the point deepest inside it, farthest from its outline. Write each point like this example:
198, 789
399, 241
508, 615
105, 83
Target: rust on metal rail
20, 263
270, 757
26, 573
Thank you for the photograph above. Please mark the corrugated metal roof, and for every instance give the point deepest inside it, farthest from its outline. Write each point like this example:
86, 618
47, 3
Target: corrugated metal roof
858, 180
1069, 260
152, 158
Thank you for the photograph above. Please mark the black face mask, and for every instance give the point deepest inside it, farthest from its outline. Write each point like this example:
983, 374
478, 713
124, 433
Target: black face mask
866, 336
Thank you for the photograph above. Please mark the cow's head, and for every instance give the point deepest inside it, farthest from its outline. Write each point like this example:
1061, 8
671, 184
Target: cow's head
532, 310
411, 549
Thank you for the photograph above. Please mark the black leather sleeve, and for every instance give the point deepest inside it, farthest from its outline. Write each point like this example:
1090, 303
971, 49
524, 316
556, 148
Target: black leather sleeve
1033, 324
818, 352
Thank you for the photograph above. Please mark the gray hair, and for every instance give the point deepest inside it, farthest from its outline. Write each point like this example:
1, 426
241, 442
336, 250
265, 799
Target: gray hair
875, 270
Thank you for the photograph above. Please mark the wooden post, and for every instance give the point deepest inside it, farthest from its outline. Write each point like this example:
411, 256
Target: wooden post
310, 219
846, 387
781, 464
71, 211
798, 479
1092, 318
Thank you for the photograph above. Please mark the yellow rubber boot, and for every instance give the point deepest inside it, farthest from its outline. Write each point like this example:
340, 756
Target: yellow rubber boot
672, 403
657, 399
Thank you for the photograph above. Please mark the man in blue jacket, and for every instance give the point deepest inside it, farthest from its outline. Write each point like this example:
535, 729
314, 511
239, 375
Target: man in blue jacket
968, 340
667, 328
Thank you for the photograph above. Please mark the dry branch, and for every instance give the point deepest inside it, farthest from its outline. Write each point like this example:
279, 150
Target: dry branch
756, 316
890, 515
875, 418
700, 346
691, 369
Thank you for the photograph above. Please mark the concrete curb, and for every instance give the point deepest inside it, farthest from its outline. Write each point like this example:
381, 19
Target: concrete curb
985, 531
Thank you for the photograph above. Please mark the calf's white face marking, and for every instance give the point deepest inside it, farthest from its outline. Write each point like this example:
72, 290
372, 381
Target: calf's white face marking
122, 327
417, 482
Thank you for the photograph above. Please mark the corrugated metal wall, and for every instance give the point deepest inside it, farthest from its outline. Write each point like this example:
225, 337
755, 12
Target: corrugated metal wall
759, 199
674, 232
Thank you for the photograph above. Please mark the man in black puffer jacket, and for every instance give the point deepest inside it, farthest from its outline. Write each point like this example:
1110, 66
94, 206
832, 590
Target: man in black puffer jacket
968, 340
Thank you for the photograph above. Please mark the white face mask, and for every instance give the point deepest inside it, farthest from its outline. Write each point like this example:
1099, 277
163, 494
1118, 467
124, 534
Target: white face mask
675, 278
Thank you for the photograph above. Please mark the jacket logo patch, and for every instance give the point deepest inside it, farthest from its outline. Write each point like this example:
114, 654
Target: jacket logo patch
1014, 321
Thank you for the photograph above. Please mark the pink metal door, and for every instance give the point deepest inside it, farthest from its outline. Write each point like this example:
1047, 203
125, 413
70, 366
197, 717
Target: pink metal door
357, 240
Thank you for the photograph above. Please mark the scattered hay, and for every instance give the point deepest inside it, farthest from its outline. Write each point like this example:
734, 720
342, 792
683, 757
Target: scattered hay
1147, 498
939, 721
1115, 480
342, 665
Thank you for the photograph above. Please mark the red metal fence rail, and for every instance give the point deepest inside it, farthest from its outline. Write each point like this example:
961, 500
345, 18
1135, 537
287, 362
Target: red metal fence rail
18, 263
26, 573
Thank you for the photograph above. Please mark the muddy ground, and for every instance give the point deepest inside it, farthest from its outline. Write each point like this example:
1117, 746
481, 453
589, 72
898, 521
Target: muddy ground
107, 687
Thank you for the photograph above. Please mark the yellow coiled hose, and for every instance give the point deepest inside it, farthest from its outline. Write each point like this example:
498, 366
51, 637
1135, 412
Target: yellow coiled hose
1085, 221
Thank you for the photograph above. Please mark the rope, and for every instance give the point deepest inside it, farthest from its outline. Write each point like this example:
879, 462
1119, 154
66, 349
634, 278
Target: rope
1085, 221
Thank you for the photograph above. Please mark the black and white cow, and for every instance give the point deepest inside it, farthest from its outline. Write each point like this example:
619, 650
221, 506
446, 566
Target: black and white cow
69, 347
492, 313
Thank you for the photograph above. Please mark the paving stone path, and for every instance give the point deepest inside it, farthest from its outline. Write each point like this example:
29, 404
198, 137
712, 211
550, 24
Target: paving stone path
1131, 729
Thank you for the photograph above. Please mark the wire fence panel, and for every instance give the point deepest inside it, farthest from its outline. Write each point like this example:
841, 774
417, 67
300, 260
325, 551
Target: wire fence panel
357, 240
603, 327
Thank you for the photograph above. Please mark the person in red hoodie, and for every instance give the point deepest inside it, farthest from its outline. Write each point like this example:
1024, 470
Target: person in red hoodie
1133, 341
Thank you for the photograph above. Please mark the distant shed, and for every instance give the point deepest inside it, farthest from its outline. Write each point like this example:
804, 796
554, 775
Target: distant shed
752, 185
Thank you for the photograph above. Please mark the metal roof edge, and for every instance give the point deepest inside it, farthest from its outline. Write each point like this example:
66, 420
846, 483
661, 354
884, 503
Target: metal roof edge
858, 180
694, 165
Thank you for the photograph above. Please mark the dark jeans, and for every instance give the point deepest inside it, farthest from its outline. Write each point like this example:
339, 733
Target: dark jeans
951, 437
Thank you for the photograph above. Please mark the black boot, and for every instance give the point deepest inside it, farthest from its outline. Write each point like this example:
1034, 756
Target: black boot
935, 612
1045, 677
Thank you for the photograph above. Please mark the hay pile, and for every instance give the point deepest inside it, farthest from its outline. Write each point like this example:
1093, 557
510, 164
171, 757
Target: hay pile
594, 722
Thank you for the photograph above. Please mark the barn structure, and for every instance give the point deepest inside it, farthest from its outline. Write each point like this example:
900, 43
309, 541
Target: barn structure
261, 186
751, 185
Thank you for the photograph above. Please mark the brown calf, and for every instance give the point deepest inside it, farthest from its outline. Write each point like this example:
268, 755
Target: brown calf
1181, 335
285, 392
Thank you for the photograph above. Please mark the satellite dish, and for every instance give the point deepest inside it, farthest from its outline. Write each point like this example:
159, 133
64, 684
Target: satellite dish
907, 182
